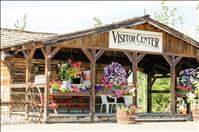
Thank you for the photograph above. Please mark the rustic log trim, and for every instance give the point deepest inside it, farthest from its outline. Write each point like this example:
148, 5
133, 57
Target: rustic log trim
99, 53
32, 51
88, 54
149, 97
177, 60
43, 51
140, 57
54, 52
47, 88
153, 81
93, 78
135, 67
173, 83
168, 59
129, 56
160, 91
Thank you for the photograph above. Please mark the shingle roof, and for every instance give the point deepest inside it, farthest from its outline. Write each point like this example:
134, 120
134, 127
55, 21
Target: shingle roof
13, 37
121, 24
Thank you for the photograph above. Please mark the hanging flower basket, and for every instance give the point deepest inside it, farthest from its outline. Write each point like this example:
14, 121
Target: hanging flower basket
115, 79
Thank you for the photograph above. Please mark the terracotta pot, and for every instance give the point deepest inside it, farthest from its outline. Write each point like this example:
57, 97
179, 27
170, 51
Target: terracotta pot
125, 117
195, 115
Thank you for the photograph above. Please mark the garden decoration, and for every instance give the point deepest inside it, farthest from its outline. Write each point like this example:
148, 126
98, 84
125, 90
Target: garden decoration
70, 70
55, 86
67, 71
186, 84
126, 114
115, 79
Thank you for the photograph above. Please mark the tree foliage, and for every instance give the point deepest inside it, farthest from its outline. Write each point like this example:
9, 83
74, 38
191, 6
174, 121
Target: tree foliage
97, 21
21, 25
160, 102
168, 16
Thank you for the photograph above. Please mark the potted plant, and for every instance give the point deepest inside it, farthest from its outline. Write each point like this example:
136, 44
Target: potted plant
115, 79
188, 88
69, 70
55, 86
195, 104
126, 114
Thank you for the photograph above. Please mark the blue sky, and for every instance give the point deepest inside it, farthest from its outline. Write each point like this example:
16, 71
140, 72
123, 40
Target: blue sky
68, 16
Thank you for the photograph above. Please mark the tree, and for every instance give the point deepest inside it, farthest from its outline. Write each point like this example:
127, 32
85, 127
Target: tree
197, 28
21, 25
197, 8
97, 21
168, 16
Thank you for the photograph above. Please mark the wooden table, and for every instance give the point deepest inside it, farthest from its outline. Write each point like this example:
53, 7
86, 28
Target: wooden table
66, 99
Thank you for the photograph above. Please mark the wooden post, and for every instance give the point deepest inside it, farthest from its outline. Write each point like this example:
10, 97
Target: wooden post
173, 85
149, 99
135, 67
93, 78
173, 62
134, 60
28, 56
93, 56
47, 87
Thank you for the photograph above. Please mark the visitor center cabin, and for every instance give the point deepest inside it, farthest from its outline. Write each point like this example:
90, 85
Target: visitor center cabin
140, 43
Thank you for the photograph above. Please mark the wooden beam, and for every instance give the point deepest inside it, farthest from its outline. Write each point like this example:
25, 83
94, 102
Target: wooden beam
141, 55
25, 54
160, 91
177, 60
93, 79
149, 97
47, 88
88, 54
54, 52
32, 51
135, 69
173, 83
168, 59
162, 76
99, 53
153, 81
43, 51
129, 56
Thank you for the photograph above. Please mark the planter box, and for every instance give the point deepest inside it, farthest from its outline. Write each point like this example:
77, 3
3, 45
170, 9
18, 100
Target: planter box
195, 115
125, 117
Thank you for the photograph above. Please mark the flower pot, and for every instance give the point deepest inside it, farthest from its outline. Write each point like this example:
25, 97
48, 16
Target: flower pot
125, 117
195, 115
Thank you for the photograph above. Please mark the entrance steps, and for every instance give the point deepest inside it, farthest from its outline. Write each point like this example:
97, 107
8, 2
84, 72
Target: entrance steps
141, 117
161, 117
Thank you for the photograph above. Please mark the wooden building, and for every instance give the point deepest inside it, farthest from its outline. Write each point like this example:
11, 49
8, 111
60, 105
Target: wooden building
140, 43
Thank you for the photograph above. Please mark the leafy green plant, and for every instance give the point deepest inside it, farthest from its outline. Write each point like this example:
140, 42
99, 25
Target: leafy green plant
70, 70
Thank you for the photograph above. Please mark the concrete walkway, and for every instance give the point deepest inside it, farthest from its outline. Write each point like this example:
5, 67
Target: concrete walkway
104, 127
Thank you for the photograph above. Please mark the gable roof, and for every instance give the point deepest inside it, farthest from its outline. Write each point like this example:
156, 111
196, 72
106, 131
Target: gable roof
13, 37
126, 23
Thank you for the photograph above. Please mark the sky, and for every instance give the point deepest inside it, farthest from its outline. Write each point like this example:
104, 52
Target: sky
69, 16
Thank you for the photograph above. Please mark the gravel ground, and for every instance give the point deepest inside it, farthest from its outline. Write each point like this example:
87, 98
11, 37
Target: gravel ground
105, 127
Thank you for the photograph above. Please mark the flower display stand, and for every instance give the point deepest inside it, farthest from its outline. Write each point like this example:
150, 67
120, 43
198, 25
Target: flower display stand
125, 117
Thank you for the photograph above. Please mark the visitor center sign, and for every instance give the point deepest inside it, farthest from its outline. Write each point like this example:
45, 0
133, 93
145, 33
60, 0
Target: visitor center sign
130, 39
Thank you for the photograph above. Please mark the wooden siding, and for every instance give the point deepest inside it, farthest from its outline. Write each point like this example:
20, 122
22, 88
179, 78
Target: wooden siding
5, 81
171, 44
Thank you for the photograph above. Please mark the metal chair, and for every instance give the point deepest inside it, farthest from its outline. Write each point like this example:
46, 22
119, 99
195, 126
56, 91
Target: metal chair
106, 103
